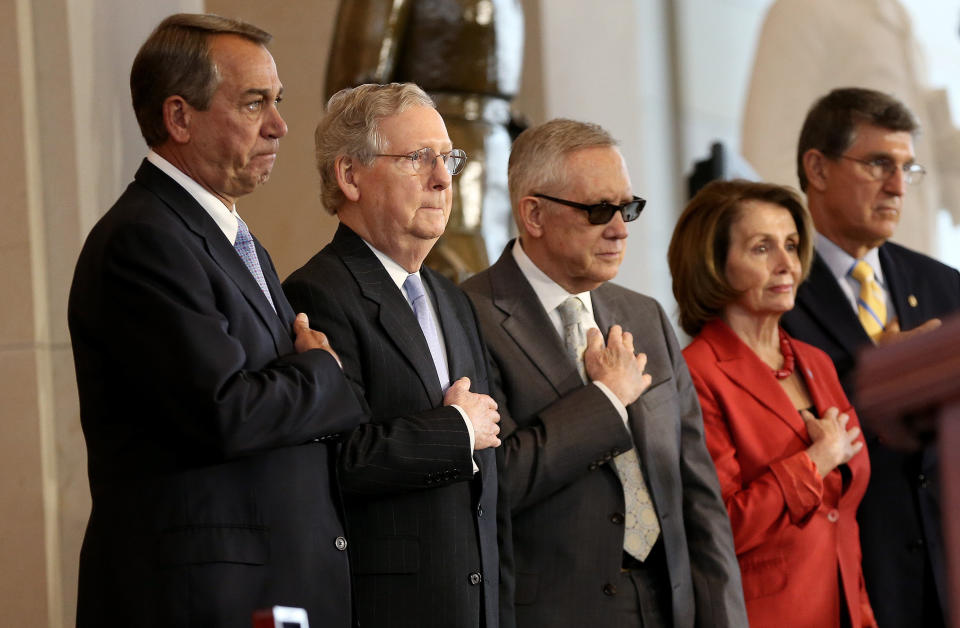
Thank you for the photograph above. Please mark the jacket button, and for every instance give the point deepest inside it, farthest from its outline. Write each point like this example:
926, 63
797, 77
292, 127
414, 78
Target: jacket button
609, 589
479, 511
922, 480
475, 578
833, 516
593, 466
616, 518
340, 543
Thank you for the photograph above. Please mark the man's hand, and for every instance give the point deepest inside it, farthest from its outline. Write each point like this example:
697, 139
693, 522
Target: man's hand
307, 338
892, 333
481, 410
615, 365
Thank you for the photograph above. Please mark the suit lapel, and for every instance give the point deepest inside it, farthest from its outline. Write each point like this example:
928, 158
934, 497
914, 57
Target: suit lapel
196, 218
899, 284
825, 302
742, 367
394, 313
529, 326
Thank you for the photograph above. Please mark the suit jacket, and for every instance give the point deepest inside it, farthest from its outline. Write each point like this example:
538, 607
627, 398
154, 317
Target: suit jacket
793, 530
559, 437
899, 516
209, 438
423, 525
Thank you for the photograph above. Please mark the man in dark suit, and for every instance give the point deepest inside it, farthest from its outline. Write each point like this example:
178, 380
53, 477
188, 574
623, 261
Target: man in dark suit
617, 514
208, 410
420, 481
855, 160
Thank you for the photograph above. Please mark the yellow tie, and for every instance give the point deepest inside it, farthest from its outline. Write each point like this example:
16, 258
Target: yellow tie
871, 305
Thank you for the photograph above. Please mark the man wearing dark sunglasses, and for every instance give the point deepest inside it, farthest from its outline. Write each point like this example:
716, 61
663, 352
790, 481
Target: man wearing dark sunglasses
613, 496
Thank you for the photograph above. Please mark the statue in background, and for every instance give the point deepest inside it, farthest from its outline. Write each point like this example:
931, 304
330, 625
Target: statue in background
467, 55
807, 48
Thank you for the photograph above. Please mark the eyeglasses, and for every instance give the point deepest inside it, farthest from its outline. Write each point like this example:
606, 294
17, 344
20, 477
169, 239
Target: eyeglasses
424, 159
882, 168
601, 213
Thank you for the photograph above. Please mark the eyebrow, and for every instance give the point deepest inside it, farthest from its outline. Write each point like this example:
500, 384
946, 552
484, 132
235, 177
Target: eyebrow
262, 92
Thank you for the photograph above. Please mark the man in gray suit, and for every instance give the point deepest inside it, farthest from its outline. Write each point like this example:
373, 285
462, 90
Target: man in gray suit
617, 514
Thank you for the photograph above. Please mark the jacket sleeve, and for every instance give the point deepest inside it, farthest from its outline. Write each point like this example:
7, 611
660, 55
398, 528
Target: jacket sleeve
718, 591
391, 454
162, 321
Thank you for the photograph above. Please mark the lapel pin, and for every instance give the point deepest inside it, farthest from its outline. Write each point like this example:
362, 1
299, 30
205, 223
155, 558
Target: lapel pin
912, 300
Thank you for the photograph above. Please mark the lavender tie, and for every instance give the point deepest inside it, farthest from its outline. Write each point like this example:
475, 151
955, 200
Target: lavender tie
248, 253
418, 300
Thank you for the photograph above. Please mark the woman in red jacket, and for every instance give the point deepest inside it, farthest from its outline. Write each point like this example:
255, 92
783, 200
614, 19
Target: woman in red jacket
784, 438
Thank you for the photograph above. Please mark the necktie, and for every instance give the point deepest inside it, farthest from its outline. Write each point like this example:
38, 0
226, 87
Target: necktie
418, 300
871, 304
248, 253
641, 527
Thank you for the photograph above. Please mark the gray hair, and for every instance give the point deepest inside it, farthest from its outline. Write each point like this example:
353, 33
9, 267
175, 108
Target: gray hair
350, 127
537, 155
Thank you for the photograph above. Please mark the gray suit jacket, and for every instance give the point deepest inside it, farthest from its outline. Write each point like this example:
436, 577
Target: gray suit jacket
559, 437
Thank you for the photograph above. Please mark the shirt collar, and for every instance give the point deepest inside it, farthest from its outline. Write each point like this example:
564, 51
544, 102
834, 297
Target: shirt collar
840, 262
226, 218
398, 274
550, 293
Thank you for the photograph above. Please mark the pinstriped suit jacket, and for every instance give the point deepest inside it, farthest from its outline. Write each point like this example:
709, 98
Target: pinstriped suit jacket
422, 526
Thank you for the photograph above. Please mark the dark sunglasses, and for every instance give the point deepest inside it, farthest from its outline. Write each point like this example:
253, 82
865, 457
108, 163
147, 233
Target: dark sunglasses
601, 213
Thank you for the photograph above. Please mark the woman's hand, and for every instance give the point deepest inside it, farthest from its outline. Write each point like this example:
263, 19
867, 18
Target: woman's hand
833, 444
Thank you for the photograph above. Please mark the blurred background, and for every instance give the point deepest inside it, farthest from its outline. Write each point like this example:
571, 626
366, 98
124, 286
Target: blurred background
669, 79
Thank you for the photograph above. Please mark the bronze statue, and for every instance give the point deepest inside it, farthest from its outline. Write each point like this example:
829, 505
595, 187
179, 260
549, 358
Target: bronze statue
467, 55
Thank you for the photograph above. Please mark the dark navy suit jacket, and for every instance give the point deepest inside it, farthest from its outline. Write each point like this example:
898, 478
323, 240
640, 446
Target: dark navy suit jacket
903, 560
210, 440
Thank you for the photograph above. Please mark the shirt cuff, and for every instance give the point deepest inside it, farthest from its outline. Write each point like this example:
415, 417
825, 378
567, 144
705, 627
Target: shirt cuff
473, 440
621, 409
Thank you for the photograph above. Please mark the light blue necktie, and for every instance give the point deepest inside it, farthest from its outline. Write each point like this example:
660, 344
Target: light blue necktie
248, 253
418, 300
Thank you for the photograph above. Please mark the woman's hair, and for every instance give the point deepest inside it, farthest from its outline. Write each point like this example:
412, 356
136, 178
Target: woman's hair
701, 240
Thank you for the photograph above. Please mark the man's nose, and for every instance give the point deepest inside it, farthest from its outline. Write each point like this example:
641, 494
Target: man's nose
440, 177
896, 183
617, 227
274, 127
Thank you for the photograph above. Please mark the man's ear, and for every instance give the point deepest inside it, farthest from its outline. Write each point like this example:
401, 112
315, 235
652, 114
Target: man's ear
531, 215
815, 167
177, 116
346, 171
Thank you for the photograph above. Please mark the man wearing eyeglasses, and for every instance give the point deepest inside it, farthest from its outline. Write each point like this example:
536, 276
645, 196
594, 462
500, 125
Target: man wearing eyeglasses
616, 510
855, 160
420, 479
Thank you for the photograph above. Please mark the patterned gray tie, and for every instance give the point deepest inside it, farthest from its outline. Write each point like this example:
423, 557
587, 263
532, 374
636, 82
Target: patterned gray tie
641, 528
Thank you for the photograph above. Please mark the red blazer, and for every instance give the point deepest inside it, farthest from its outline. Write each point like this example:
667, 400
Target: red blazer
792, 529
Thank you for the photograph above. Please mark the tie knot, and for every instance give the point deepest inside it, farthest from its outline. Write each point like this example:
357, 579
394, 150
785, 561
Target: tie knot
862, 272
414, 288
570, 311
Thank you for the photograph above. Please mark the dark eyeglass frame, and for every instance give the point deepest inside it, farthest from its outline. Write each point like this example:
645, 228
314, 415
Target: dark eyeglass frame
602, 213
881, 169
421, 157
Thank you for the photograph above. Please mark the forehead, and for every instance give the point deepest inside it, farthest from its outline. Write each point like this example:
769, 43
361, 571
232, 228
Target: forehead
761, 217
414, 128
243, 65
873, 140
597, 173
